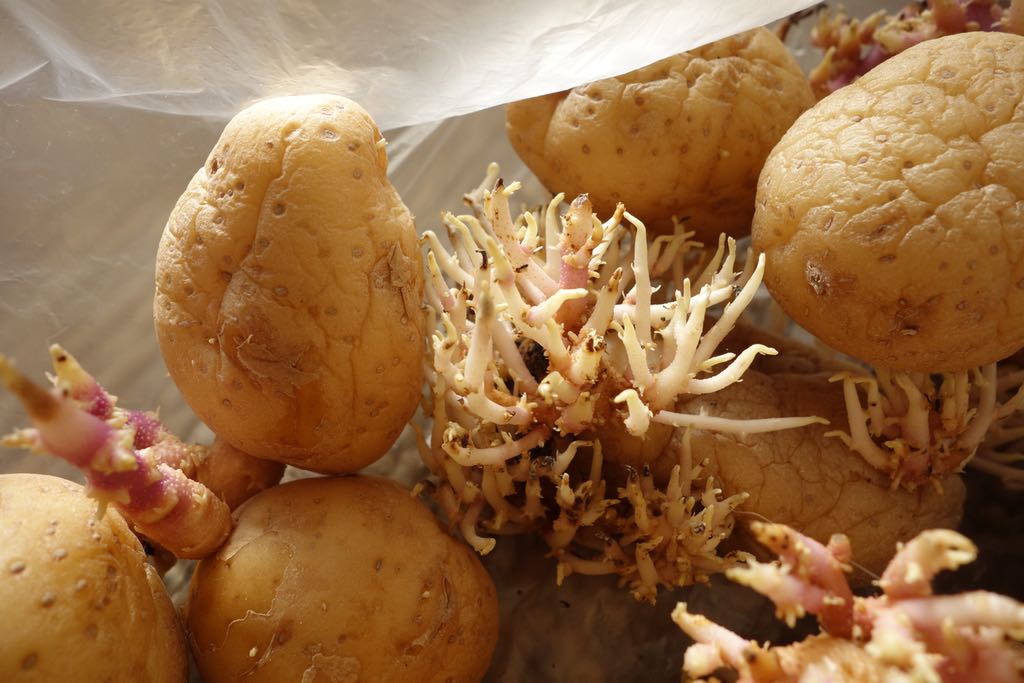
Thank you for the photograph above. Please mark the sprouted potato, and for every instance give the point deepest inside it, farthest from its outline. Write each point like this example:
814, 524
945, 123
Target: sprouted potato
558, 335
890, 216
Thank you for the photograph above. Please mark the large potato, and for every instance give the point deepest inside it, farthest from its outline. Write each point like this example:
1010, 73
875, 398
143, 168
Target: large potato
892, 213
289, 286
685, 136
341, 579
80, 602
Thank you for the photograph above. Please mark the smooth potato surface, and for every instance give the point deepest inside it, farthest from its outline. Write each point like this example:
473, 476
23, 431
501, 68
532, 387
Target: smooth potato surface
685, 136
892, 213
80, 602
289, 284
341, 579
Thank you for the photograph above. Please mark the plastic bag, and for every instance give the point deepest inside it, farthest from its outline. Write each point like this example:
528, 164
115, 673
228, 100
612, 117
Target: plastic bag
405, 62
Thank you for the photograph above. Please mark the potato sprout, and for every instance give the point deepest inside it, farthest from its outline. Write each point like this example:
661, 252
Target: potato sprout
128, 459
853, 46
904, 634
920, 426
552, 330
1002, 451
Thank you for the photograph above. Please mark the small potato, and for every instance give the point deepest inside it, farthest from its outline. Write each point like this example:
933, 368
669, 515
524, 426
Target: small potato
685, 136
341, 579
80, 602
892, 213
289, 285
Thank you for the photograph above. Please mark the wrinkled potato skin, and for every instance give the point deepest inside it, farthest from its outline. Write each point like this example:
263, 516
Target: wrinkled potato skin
342, 580
80, 602
684, 136
289, 285
809, 481
892, 213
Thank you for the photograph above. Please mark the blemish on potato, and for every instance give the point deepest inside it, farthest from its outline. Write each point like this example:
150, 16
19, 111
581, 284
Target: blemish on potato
281, 291
29, 661
378, 565
48, 599
60, 553
357, 173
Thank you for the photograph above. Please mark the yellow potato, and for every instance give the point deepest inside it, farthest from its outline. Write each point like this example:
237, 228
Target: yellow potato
289, 284
892, 213
341, 579
80, 602
685, 136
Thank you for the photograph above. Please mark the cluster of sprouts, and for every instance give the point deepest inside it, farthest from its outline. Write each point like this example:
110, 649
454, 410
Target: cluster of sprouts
853, 46
1002, 452
904, 634
128, 458
553, 331
918, 426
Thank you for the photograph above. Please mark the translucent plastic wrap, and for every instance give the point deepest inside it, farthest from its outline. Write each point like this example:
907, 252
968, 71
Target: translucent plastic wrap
406, 62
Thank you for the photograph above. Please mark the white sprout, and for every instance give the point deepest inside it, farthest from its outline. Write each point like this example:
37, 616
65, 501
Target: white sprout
554, 326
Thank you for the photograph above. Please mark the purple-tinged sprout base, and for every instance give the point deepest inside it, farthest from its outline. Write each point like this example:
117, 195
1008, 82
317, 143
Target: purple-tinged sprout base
181, 515
853, 46
904, 634
557, 334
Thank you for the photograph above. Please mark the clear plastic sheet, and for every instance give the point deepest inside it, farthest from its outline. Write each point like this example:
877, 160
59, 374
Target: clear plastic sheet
108, 108
406, 62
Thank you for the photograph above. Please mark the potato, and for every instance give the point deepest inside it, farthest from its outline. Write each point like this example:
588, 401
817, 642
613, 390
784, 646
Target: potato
341, 579
684, 136
289, 285
810, 481
892, 213
79, 600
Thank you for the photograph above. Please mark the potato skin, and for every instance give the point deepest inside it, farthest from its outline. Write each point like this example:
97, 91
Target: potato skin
80, 601
807, 480
892, 213
341, 579
289, 285
684, 136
